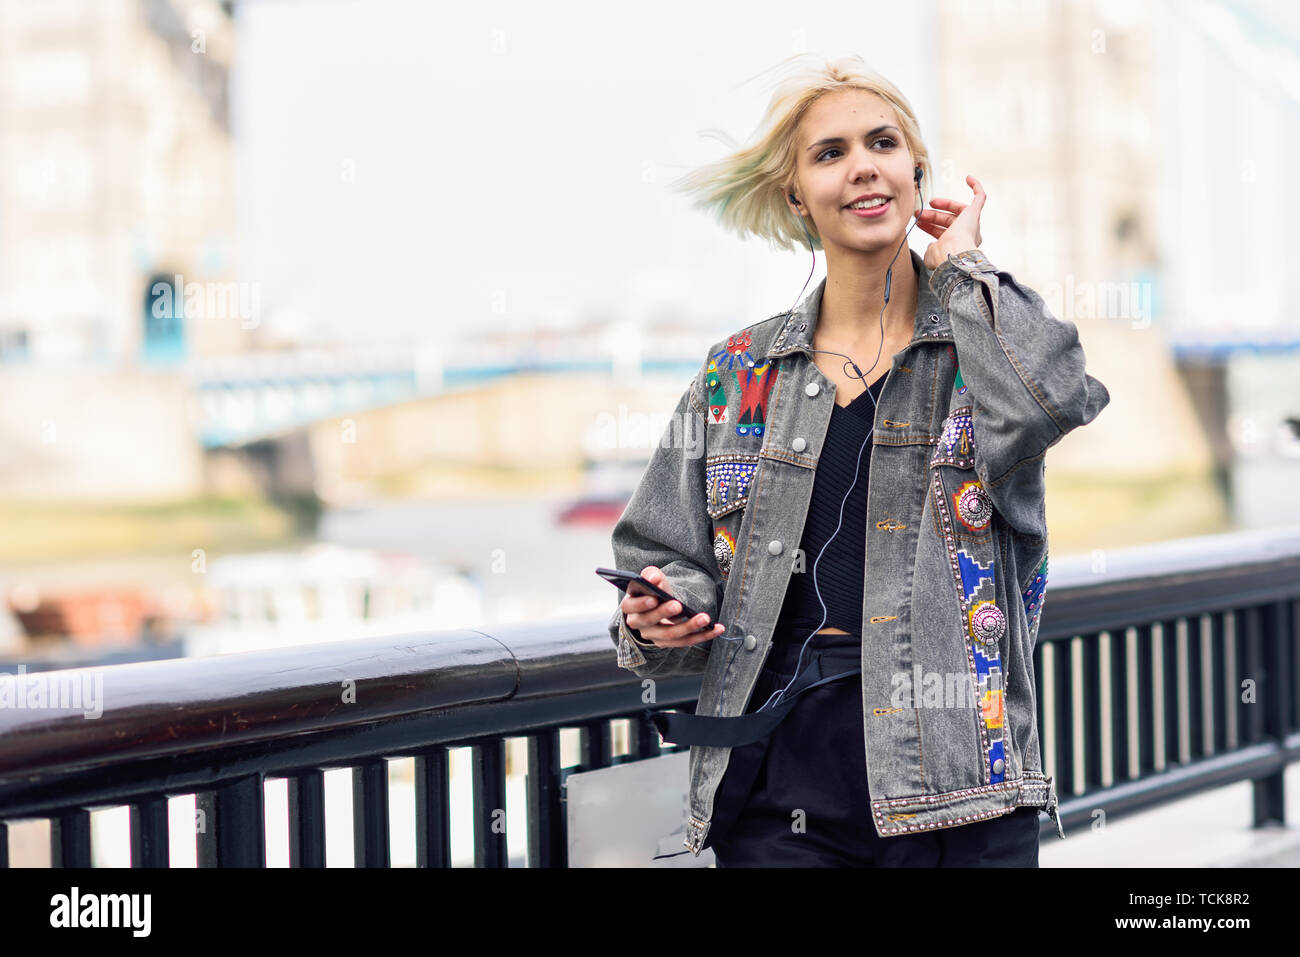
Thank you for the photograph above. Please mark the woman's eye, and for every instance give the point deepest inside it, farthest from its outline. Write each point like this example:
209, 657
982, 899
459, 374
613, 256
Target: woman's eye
879, 139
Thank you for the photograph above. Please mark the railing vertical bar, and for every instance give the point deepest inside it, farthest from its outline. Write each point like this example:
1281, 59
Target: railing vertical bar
1251, 644
150, 846
205, 823
645, 737
1146, 687
1062, 710
1275, 705
1170, 720
547, 827
1293, 643
595, 745
1234, 622
1222, 698
370, 813
490, 848
307, 819
234, 833
432, 809
70, 839
1092, 711
1121, 715
1196, 701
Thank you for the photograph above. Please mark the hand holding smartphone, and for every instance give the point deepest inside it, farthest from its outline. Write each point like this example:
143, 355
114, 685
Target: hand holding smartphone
640, 587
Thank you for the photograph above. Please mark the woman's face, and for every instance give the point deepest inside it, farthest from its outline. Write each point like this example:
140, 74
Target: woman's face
851, 145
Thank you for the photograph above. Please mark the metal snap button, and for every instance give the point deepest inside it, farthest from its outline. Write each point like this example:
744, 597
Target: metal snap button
812, 388
933, 317
750, 642
798, 444
999, 766
803, 326
774, 547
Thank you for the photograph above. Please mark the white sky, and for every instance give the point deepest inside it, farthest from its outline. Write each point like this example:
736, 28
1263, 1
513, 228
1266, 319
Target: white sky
499, 152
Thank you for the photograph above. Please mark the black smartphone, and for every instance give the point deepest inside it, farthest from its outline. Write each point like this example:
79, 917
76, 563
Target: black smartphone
635, 585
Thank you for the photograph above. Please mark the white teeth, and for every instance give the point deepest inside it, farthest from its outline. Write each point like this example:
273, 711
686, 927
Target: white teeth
868, 203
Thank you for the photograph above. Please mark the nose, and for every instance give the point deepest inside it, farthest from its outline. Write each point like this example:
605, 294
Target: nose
864, 164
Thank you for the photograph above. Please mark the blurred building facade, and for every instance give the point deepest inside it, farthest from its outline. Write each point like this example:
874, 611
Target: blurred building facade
116, 167
1060, 113
116, 198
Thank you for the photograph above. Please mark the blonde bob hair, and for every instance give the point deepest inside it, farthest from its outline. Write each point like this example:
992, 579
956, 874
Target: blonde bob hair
747, 190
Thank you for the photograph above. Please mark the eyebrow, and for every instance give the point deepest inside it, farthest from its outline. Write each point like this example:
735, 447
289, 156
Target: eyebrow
839, 139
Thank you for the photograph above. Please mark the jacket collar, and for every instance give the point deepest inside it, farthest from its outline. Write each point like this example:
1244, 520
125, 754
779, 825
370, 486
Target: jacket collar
797, 333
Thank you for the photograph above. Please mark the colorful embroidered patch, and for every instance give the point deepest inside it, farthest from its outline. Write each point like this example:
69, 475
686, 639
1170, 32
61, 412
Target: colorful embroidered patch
755, 386
724, 550
736, 352
991, 708
961, 385
717, 395
972, 573
957, 440
1033, 596
984, 624
988, 675
727, 483
973, 506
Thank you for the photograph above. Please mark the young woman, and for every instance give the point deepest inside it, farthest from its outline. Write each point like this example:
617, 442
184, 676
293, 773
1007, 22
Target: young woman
818, 738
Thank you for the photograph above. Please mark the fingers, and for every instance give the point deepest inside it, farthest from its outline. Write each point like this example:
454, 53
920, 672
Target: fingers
637, 607
942, 202
647, 616
687, 633
937, 217
647, 612
935, 223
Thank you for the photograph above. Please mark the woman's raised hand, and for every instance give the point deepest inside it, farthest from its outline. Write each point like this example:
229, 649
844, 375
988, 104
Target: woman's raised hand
955, 226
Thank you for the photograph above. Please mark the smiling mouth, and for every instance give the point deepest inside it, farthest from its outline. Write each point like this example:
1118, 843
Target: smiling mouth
869, 212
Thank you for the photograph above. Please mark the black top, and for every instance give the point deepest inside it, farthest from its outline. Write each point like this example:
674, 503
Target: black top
841, 567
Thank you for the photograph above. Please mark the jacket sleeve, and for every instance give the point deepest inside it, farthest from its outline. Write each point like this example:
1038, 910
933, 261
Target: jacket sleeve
1024, 370
667, 524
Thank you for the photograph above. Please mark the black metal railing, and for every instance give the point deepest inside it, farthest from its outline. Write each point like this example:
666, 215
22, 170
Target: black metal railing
1162, 671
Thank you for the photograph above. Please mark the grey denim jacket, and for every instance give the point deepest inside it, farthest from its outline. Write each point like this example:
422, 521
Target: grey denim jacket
956, 537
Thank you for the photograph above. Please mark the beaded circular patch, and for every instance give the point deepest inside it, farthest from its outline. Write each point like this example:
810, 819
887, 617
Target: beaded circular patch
724, 549
987, 623
974, 506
